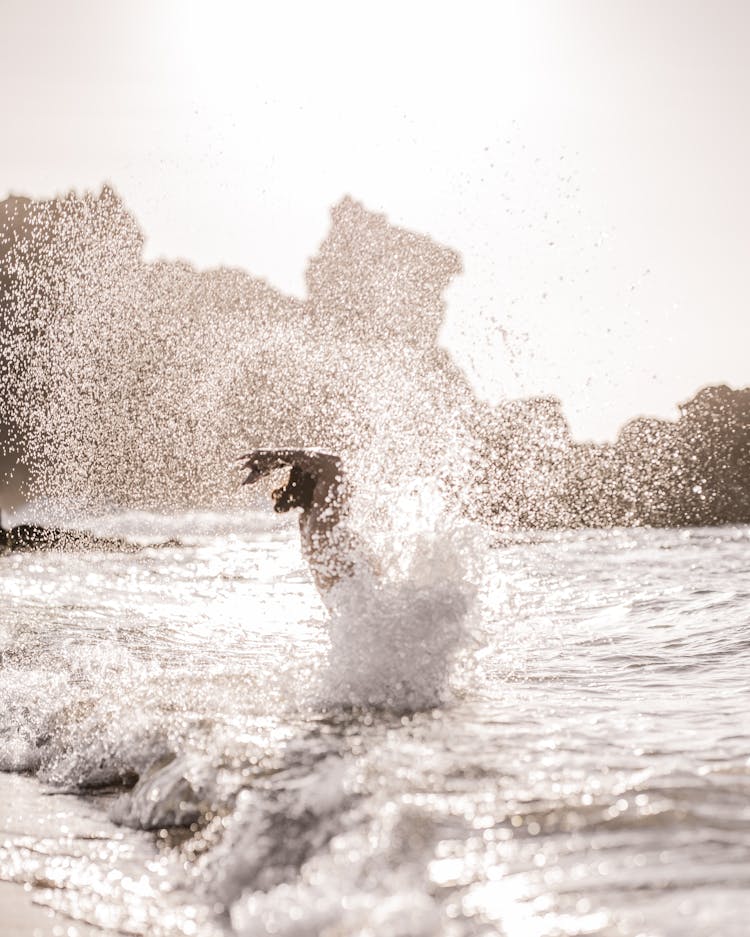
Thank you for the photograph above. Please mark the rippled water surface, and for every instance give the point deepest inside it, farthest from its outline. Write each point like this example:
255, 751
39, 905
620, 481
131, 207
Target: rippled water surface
560, 746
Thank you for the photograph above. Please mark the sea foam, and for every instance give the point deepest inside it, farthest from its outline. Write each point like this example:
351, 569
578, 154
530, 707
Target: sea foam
395, 634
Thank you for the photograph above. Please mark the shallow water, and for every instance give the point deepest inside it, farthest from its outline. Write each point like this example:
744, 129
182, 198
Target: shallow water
559, 747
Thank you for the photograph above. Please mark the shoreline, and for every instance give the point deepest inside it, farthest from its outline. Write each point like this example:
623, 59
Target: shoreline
22, 917
29, 815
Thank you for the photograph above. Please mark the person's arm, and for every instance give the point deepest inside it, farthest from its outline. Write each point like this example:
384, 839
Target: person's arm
324, 466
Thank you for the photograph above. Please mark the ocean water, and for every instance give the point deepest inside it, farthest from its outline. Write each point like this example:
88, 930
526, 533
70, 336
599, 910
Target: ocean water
537, 735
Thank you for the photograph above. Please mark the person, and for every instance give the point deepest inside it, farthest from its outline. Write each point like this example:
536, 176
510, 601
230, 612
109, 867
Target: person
316, 484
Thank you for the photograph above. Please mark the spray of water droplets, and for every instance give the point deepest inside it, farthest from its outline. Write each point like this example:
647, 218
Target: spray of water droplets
134, 383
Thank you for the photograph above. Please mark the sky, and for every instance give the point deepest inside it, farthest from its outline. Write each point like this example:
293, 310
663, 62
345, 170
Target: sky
588, 159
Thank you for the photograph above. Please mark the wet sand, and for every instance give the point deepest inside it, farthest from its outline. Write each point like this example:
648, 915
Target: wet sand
28, 817
21, 917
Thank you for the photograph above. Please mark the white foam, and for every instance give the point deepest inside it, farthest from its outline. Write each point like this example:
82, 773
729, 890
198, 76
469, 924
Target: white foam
394, 637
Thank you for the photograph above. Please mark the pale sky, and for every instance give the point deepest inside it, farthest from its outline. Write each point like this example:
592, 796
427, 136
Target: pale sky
588, 158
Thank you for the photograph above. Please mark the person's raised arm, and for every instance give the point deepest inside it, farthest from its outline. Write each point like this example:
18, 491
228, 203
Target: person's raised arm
323, 466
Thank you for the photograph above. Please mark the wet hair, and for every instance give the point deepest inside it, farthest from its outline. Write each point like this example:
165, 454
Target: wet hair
297, 493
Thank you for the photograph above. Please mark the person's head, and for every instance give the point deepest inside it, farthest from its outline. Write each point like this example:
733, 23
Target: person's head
297, 493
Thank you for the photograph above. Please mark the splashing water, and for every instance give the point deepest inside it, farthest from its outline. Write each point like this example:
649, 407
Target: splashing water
565, 789
129, 380
394, 636
134, 384
356, 770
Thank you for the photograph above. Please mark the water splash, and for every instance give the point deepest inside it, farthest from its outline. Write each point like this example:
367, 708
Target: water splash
134, 384
395, 636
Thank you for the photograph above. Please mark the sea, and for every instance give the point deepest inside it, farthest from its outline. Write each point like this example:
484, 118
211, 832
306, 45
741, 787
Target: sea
521, 734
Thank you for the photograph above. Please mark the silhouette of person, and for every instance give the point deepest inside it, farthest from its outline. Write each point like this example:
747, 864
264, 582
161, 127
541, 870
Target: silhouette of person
317, 485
